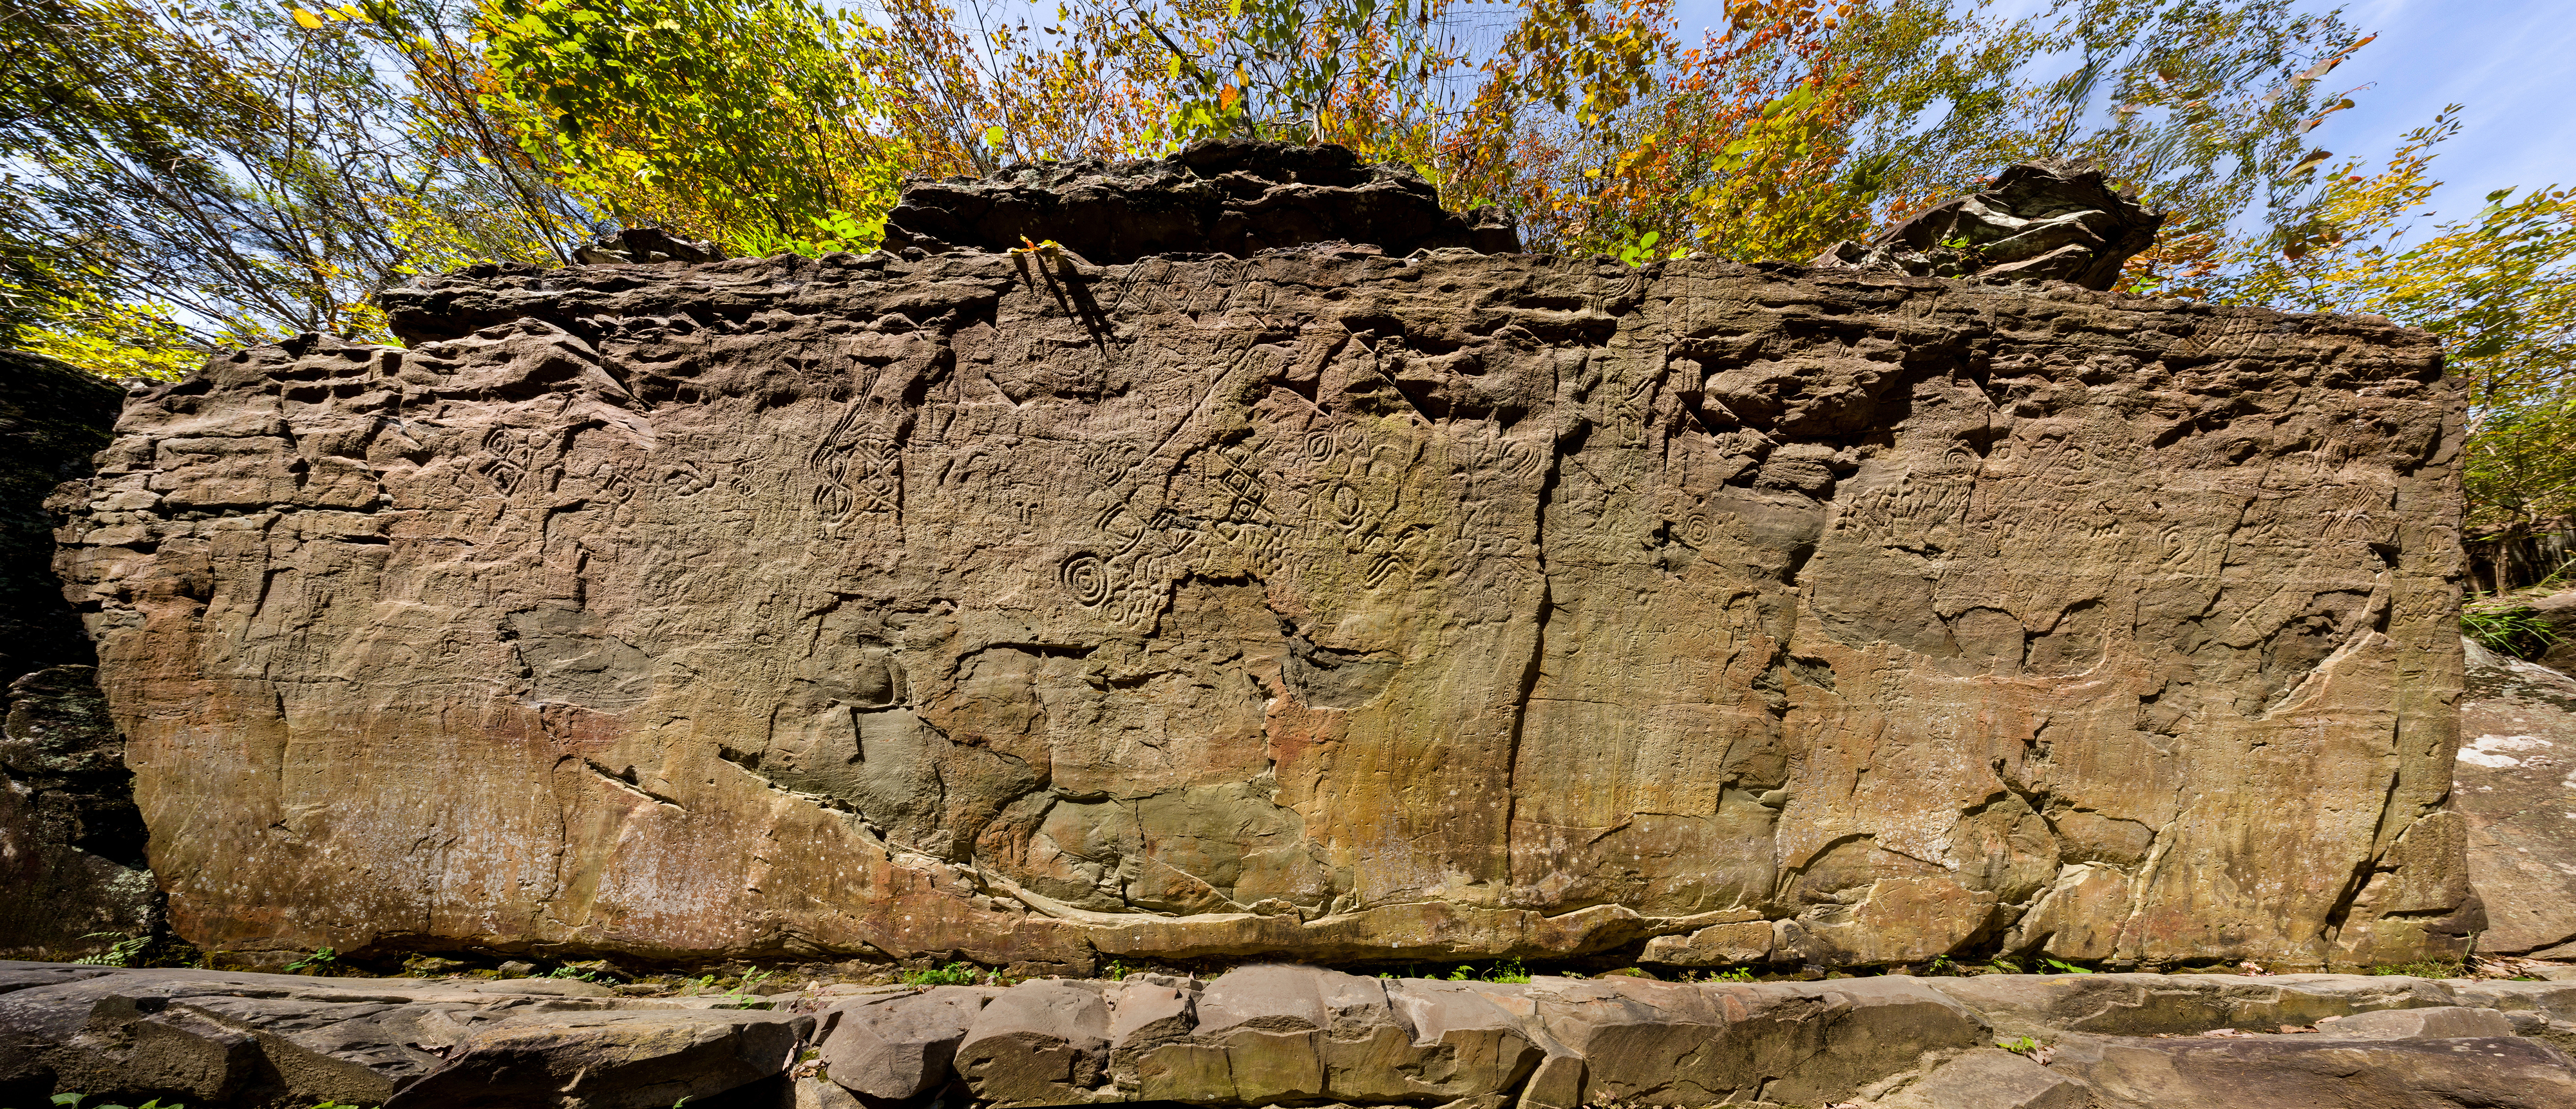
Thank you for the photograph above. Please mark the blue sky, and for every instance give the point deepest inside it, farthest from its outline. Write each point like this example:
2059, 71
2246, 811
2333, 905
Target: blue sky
2511, 62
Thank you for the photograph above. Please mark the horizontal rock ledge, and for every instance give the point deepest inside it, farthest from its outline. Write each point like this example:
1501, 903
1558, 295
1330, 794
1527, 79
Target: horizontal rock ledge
1273, 1034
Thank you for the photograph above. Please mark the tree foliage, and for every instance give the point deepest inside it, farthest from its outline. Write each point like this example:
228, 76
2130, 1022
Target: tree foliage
745, 120
2498, 287
205, 172
184, 176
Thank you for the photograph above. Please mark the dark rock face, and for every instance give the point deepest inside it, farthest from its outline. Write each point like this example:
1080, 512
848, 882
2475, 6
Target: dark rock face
71, 839
2052, 221
1221, 197
1323, 603
52, 419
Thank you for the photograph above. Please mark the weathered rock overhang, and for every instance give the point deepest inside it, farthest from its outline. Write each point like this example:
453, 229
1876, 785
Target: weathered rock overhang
1318, 603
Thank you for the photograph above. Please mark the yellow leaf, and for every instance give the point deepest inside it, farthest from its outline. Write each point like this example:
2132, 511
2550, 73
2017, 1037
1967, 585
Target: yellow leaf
305, 19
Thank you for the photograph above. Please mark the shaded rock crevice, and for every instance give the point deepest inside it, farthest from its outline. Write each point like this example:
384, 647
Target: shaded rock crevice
73, 844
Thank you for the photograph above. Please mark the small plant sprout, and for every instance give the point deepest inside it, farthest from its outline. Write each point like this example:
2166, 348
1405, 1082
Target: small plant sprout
2514, 630
122, 953
741, 996
954, 974
2029, 1048
322, 959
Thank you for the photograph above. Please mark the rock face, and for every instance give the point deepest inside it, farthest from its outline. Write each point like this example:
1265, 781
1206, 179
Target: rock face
71, 839
2517, 794
1270, 1035
1322, 603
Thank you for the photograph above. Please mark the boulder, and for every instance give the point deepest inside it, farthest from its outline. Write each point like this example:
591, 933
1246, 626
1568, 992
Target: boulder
1145, 1012
2046, 220
1649, 1042
1221, 196
1466, 1042
1716, 945
2558, 611
1039, 1043
2305, 1072
899, 1047
2553, 999
218, 1039
2152, 1004
2441, 1022
1267, 1034
2516, 773
1986, 1078
1292, 605
633, 1059
645, 246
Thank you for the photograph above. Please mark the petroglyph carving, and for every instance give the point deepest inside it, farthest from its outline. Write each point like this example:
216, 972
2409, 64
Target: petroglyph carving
1338, 606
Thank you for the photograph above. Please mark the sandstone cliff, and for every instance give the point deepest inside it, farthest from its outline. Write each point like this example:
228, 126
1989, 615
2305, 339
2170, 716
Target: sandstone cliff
1316, 602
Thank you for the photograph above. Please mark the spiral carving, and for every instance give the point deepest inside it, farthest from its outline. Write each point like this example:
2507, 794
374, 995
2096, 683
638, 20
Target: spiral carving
1088, 578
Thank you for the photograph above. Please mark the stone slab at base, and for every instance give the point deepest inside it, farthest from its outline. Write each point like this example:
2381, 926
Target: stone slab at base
1269, 1035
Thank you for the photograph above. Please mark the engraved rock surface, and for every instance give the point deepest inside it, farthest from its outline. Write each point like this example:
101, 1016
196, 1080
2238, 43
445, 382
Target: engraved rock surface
1320, 603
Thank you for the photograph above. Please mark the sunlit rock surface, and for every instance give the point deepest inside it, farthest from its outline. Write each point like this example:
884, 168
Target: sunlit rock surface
1317, 603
